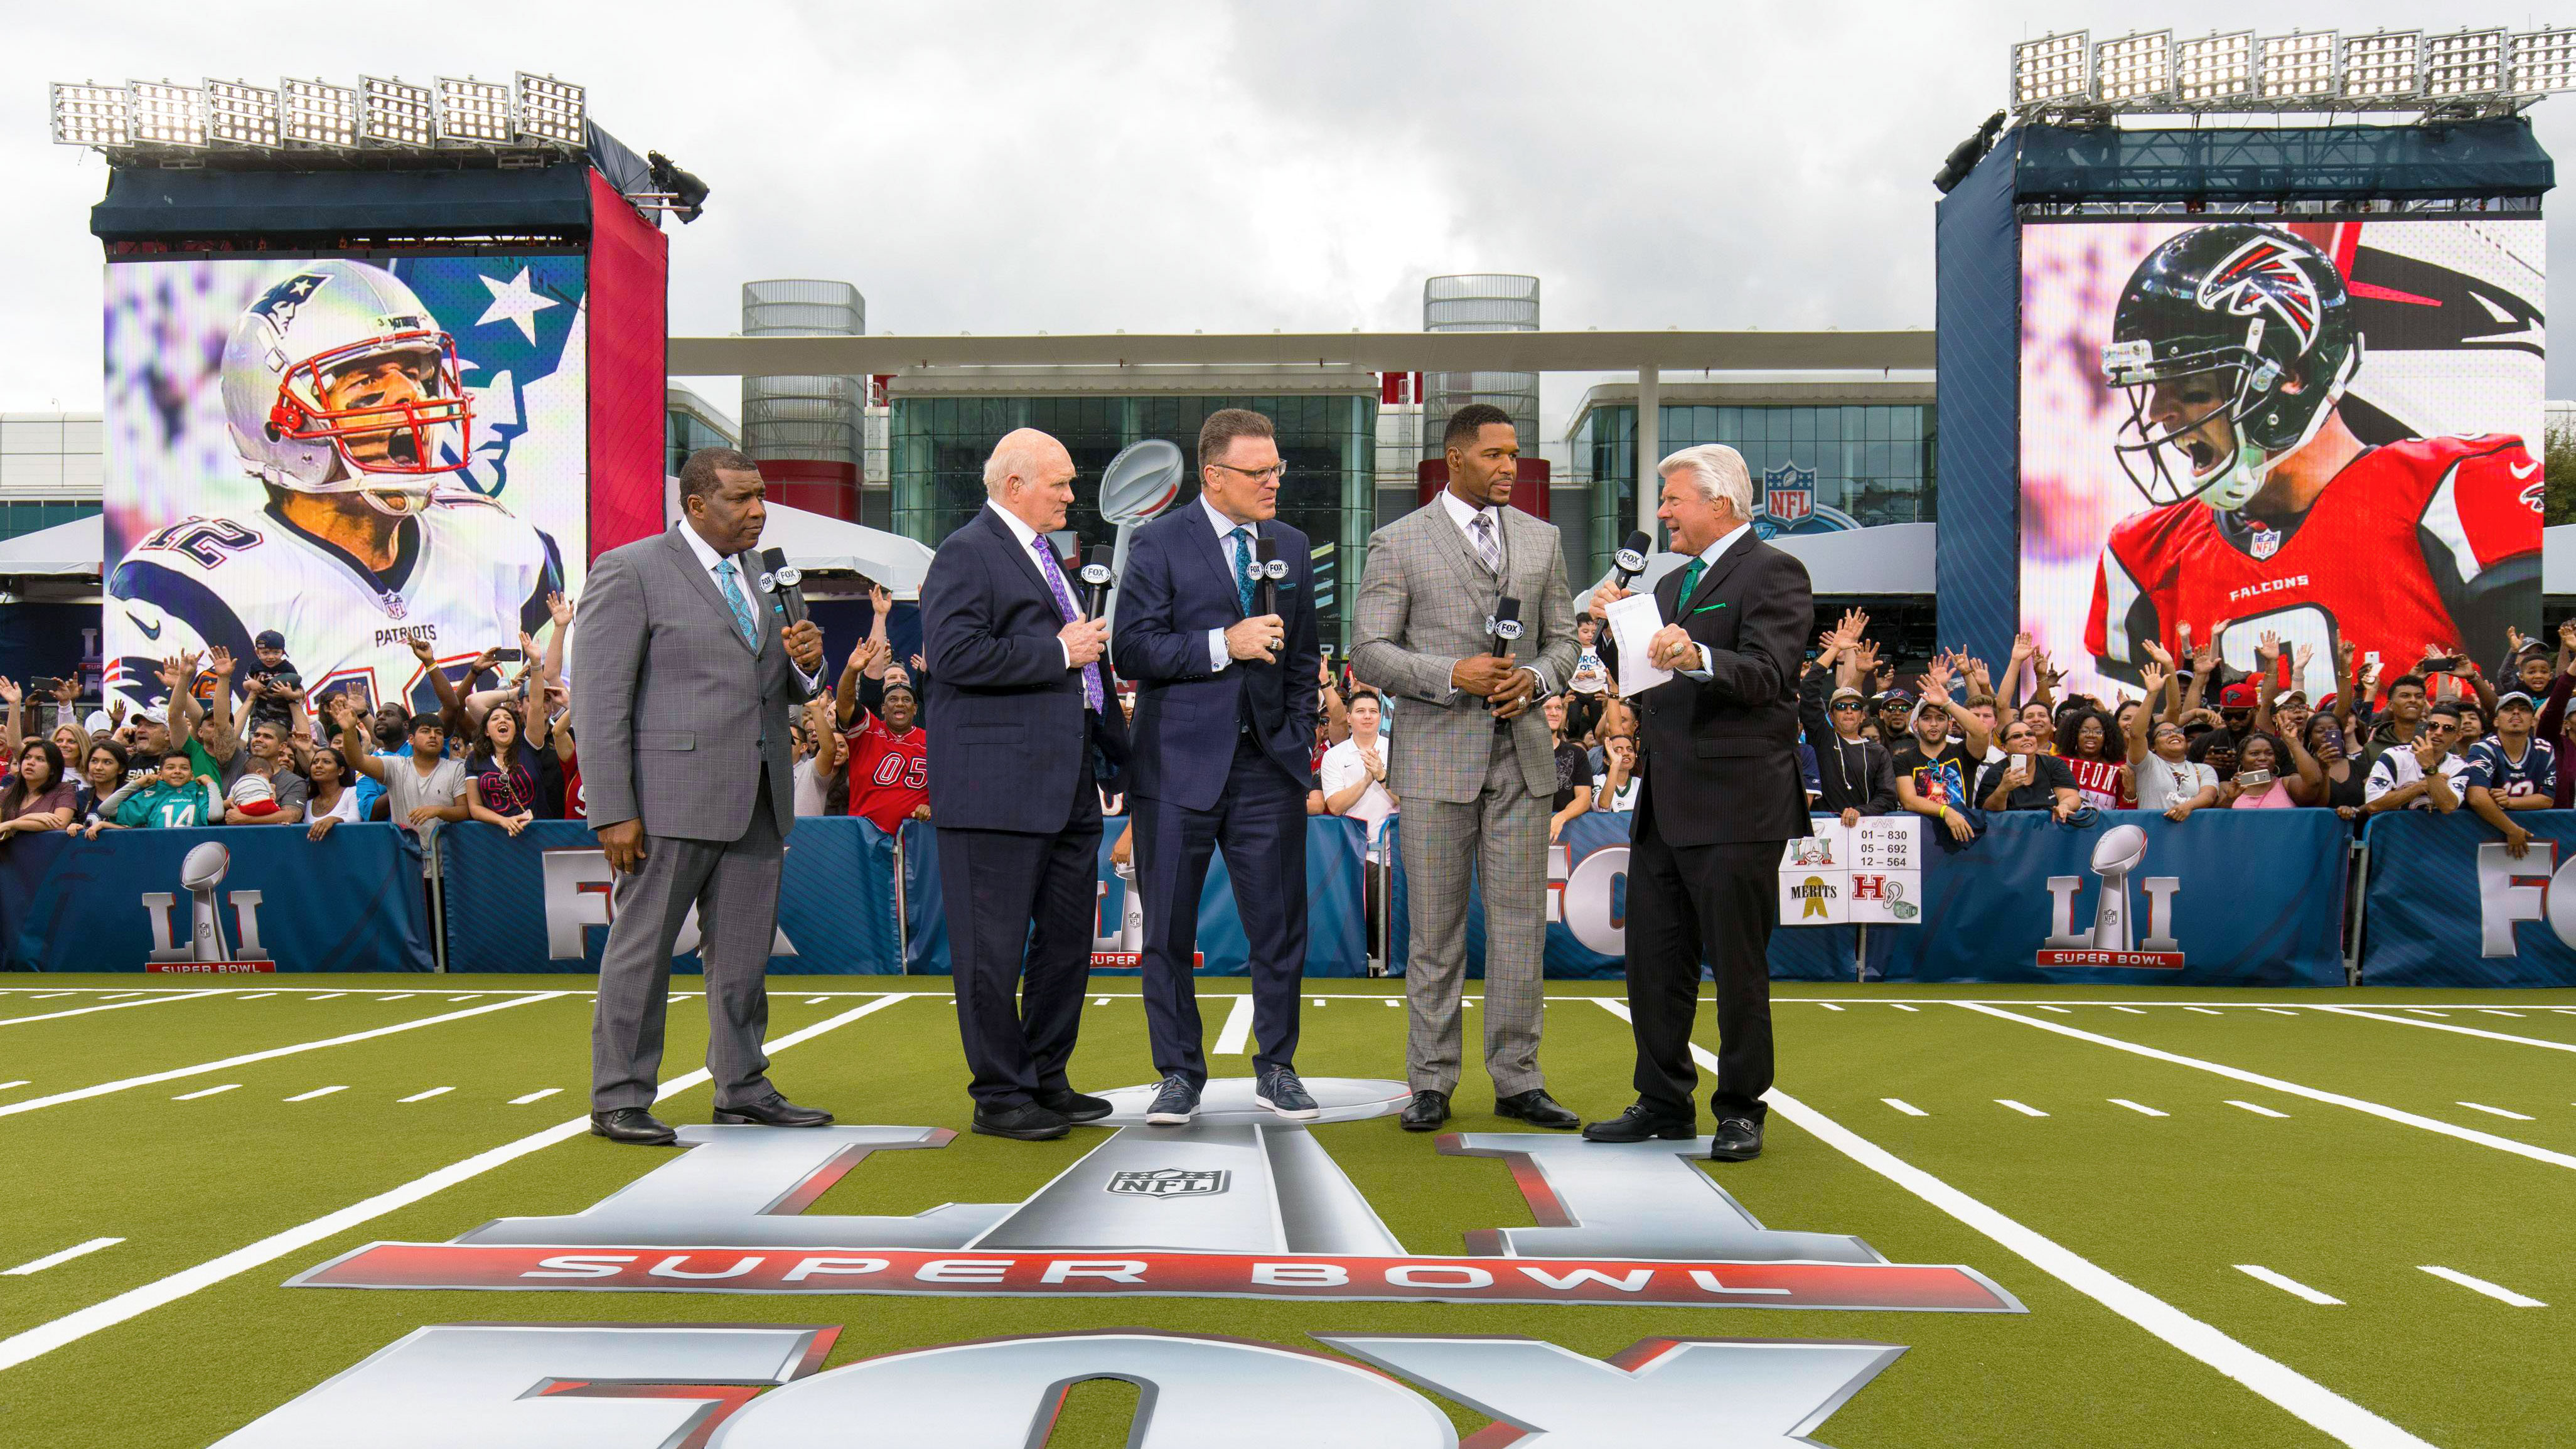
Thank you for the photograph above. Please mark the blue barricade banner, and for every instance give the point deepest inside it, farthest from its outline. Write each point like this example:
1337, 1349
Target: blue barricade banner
2225, 898
1336, 927
239, 898
539, 900
2445, 905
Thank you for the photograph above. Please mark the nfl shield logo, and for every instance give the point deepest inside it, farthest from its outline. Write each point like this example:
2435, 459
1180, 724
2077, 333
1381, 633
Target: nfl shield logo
1789, 492
1165, 1182
2264, 543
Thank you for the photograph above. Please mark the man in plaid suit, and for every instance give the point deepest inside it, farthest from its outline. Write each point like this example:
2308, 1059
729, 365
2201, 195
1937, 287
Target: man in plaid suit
1471, 758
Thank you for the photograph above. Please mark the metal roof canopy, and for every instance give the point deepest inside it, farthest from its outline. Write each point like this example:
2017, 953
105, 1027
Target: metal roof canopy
1586, 351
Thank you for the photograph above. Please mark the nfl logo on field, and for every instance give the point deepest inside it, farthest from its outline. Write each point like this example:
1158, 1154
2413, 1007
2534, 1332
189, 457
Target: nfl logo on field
1789, 492
1168, 1182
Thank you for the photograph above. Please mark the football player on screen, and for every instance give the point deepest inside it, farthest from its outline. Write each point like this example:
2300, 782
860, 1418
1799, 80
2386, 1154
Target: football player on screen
343, 398
2234, 344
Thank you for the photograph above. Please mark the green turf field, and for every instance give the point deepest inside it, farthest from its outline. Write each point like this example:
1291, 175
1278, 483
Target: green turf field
2118, 1160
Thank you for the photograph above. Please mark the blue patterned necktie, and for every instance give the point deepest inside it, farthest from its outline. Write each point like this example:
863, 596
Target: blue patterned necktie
742, 615
1243, 569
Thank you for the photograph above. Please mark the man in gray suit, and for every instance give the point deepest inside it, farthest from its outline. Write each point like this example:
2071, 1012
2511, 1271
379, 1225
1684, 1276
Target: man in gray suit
1472, 761
684, 682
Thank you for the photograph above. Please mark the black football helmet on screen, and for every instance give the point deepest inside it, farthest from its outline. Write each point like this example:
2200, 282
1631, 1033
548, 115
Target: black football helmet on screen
2233, 343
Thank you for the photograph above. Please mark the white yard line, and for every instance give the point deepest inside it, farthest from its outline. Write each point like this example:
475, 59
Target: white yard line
256, 996
1236, 1038
2276, 1011
1908, 1108
2133, 1011
1901, 1006
2369, 1015
75, 1326
2497, 1112
1829, 1006
119, 1006
2256, 1108
2203, 1010
2023, 1108
399, 996
2287, 1284
4, 1086
2313, 1094
2060, 1010
336, 995
425, 1096
2139, 1108
2496, 1291
2498, 1011
2305, 1399
316, 1092
537, 1096
174, 1074
50, 1260
207, 1092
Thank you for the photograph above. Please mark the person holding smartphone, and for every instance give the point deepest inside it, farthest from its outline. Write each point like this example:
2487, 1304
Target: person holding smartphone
2028, 778
2262, 764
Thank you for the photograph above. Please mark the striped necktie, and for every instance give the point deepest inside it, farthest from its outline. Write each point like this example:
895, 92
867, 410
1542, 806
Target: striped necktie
742, 615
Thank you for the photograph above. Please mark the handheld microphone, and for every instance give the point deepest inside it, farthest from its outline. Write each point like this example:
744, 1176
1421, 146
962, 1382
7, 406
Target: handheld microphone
1095, 581
1630, 560
1504, 624
782, 583
1269, 568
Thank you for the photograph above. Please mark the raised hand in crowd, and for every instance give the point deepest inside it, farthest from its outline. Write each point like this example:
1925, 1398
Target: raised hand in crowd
1862, 662
880, 600
2567, 646
10, 692
560, 607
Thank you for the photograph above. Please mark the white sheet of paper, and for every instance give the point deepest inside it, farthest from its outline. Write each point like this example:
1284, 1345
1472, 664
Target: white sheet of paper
1633, 621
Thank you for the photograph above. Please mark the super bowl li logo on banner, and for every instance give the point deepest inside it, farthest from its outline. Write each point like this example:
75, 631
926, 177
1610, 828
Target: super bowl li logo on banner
1237, 1204
2113, 940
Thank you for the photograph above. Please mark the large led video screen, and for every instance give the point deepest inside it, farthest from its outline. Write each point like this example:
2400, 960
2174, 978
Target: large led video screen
2328, 432
356, 454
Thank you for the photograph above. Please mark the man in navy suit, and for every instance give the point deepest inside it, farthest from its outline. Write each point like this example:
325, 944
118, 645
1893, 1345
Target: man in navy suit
1225, 734
1022, 730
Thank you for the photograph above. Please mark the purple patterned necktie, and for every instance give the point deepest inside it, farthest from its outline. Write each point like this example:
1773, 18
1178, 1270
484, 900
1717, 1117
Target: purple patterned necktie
1091, 696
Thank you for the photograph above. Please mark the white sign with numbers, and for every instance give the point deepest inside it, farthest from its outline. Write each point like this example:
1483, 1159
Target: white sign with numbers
1885, 885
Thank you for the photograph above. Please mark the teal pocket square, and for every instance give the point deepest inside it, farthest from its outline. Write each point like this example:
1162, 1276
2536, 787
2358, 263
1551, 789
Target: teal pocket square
1704, 608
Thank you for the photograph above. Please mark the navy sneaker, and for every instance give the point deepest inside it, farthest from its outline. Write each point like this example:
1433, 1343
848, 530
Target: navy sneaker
1176, 1103
1281, 1092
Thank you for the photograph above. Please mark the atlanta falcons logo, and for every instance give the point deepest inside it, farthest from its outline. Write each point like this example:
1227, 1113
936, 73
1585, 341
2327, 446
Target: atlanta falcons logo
2263, 275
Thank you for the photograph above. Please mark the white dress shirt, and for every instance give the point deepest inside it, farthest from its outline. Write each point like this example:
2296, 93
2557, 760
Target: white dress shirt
708, 559
1033, 546
1708, 558
1465, 515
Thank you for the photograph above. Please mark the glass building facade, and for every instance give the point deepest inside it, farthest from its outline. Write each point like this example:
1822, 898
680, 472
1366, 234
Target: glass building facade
937, 445
1872, 461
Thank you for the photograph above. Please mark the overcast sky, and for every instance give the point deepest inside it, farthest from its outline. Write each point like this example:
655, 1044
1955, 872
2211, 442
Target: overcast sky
1083, 167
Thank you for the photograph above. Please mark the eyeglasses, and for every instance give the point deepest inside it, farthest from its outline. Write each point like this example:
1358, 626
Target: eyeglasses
1848, 704
1275, 470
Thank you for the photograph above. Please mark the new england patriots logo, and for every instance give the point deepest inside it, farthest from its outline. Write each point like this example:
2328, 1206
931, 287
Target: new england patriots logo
2264, 276
282, 301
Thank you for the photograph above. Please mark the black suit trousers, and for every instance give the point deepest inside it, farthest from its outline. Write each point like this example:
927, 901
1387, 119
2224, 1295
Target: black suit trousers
1685, 904
1020, 911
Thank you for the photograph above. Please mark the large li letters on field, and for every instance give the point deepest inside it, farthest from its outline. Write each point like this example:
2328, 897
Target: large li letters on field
526, 1386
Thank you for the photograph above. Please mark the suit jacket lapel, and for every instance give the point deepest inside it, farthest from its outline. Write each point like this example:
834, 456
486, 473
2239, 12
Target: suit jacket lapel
1450, 542
1214, 552
706, 583
1716, 573
1011, 545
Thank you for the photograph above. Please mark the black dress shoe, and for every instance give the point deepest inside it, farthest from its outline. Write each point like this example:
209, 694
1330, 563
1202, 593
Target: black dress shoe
1737, 1139
1538, 1109
1641, 1123
1072, 1106
772, 1111
632, 1124
1027, 1122
1425, 1112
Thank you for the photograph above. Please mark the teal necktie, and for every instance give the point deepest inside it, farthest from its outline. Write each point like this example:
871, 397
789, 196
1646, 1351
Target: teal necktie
742, 615
1243, 569
1690, 581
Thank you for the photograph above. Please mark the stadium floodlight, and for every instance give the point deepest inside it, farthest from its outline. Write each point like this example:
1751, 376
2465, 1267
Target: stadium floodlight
2134, 69
2466, 63
317, 113
2543, 61
473, 112
551, 112
2297, 66
391, 113
2385, 65
163, 114
2215, 69
2053, 70
89, 114
241, 114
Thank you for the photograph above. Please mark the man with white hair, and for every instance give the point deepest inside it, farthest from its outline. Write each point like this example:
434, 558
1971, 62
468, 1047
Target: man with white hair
1717, 746
1022, 732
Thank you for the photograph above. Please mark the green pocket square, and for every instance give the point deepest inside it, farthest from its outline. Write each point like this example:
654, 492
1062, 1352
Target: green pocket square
1704, 608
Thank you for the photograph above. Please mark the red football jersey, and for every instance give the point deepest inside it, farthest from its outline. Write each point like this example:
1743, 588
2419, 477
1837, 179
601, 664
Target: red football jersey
889, 772
2394, 540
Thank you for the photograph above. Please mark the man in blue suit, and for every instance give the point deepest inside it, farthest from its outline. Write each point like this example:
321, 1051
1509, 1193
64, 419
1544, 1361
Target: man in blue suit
1225, 735
1022, 730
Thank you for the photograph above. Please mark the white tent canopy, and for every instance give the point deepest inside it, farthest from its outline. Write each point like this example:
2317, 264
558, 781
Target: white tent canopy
815, 541
66, 550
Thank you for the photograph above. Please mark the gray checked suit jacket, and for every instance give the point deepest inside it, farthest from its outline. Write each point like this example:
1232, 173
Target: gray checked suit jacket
1424, 599
677, 716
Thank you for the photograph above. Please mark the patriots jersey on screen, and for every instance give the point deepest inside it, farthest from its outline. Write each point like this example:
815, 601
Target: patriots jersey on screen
2413, 543
468, 575
2536, 773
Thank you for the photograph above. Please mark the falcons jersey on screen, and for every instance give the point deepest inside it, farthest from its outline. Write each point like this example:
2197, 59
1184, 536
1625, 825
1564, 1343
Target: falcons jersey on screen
2428, 541
889, 772
468, 575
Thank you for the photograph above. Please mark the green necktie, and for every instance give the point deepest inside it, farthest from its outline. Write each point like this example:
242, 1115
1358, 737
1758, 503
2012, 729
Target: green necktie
1690, 581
